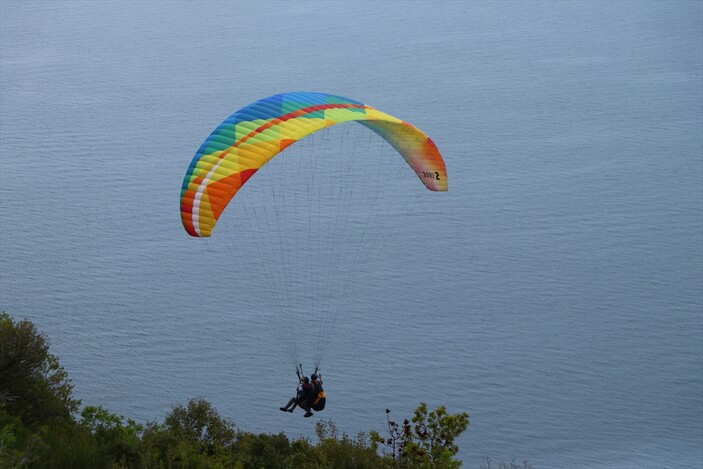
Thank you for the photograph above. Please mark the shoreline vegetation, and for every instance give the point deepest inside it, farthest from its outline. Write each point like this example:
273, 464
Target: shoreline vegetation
42, 425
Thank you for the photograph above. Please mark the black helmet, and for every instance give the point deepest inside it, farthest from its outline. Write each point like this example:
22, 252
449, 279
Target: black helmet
313, 376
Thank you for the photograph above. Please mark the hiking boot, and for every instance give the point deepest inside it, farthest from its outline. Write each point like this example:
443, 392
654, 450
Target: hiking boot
308, 414
285, 410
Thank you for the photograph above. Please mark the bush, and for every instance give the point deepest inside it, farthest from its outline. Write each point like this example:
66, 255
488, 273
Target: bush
191, 436
346, 452
116, 440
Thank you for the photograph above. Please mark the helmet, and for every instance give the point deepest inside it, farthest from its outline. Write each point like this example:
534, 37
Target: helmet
313, 376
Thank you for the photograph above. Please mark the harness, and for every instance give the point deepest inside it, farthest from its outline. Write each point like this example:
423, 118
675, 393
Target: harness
320, 400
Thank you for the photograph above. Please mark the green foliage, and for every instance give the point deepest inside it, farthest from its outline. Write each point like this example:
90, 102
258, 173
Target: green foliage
191, 436
200, 424
18, 444
436, 434
271, 451
67, 444
115, 439
345, 452
33, 385
428, 442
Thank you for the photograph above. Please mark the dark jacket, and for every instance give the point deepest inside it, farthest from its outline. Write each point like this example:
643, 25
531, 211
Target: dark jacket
306, 391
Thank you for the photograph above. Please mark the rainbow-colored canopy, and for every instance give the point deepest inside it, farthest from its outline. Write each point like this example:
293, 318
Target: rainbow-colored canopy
250, 137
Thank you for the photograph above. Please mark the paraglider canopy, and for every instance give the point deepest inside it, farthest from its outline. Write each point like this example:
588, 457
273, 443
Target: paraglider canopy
309, 230
250, 137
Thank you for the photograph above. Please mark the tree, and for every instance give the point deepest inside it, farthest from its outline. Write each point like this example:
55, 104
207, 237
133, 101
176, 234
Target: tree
435, 435
254, 451
344, 452
191, 436
200, 424
426, 442
33, 385
114, 438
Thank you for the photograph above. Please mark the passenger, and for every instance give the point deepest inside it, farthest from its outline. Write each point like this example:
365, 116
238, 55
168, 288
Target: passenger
305, 389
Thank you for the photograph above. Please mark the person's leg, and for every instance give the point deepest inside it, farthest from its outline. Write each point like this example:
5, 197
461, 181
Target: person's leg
291, 402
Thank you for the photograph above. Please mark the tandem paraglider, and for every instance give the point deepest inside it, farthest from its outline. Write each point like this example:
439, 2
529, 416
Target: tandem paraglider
309, 395
306, 282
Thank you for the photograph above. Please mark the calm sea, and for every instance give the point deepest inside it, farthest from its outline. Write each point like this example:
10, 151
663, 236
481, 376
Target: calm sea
555, 292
